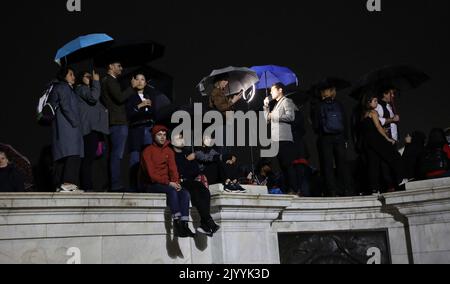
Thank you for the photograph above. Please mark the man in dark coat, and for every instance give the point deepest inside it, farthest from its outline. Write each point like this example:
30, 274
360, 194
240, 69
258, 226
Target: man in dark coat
115, 101
94, 123
330, 124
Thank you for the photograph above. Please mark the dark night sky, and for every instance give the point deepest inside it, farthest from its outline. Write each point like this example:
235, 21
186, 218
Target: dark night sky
313, 37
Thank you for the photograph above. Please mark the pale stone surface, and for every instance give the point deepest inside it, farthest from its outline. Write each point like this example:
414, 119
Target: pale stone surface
128, 228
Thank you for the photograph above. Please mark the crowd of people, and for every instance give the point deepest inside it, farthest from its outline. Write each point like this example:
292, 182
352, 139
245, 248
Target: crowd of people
88, 110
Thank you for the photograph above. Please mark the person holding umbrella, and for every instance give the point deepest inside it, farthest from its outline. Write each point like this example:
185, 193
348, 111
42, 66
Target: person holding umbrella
94, 122
218, 99
115, 101
281, 118
330, 124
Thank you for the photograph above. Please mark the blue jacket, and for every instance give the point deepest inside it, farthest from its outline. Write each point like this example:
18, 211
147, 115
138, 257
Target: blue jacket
94, 116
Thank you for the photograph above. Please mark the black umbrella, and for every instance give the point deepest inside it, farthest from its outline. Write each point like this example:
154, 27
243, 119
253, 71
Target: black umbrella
327, 83
400, 77
130, 53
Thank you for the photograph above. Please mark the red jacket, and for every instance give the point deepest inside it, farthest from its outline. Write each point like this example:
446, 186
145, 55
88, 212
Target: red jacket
159, 164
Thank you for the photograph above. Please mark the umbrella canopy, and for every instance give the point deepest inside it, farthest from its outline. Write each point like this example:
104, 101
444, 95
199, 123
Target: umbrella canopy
272, 74
400, 77
22, 164
130, 53
327, 83
239, 78
82, 48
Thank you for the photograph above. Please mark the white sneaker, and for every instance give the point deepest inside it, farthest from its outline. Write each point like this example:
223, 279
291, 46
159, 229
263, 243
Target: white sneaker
65, 188
404, 181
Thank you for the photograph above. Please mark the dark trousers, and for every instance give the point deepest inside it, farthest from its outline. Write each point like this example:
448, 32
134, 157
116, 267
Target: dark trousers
67, 170
178, 201
231, 172
200, 198
285, 159
333, 151
118, 140
90, 154
385, 160
214, 172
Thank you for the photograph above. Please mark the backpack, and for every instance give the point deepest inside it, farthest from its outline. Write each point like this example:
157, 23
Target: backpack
434, 160
45, 110
331, 118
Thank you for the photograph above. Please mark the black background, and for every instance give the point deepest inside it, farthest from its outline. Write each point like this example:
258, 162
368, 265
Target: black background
313, 37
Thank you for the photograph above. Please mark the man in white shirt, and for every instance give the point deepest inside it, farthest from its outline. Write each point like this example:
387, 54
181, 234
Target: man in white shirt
388, 118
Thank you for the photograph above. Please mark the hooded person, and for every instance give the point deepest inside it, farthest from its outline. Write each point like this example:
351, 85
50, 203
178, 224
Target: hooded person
161, 176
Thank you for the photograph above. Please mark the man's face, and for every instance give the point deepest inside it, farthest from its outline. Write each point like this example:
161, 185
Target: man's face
3, 161
70, 78
178, 142
389, 96
329, 93
276, 92
116, 69
161, 138
142, 82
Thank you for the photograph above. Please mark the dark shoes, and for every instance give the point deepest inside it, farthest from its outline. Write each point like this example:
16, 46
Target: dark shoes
234, 187
209, 229
181, 229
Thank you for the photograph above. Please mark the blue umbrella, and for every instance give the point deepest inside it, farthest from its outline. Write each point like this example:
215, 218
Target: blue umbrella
272, 74
82, 48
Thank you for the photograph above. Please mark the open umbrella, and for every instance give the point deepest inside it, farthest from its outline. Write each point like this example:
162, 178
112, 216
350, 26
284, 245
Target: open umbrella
327, 83
239, 78
271, 74
82, 48
400, 77
130, 53
22, 164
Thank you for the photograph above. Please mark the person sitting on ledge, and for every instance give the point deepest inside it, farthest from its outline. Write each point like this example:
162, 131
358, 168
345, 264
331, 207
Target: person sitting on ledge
10, 178
158, 162
231, 170
189, 170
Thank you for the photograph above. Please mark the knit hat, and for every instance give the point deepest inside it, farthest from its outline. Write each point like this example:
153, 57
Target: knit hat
158, 128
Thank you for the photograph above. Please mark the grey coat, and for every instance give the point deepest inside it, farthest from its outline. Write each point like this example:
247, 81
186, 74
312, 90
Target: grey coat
94, 116
67, 139
281, 120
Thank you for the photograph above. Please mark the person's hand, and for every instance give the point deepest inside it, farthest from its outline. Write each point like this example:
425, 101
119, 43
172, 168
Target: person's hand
134, 83
95, 76
146, 103
267, 102
191, 157
396, 118
175, 186
392, 141
238, 97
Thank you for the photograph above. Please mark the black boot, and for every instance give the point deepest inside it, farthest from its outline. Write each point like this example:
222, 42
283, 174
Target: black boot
181, 229
213, 226
186, 229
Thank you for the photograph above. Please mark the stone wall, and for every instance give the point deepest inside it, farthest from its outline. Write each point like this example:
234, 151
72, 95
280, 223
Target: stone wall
136, 228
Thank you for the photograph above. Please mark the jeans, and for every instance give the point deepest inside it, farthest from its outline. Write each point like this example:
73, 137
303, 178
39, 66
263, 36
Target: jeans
119, 135
178, 201
135, 159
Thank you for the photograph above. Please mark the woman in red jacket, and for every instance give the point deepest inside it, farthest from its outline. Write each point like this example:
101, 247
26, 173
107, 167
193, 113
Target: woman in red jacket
158, 162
